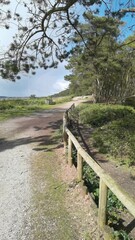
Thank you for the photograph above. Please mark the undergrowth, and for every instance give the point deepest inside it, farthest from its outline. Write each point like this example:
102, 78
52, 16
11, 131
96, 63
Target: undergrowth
18, 107
113, 130
114, 206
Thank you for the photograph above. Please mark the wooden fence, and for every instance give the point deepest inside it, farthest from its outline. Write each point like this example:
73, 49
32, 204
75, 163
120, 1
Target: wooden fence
106, 181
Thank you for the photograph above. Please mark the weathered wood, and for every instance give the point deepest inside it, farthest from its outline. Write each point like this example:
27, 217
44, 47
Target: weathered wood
65, 136
103, 191
79, 167
120, 193
70, 160
74, 140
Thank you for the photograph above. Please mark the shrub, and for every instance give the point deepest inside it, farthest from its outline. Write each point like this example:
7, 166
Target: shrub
98, 114
113, 130
130, 101
6, 105
117, 139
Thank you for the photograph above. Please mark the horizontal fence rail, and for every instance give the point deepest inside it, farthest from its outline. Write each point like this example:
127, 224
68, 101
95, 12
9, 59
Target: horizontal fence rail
106, 181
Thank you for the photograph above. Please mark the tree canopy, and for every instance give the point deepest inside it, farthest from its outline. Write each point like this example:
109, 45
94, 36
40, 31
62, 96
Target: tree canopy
103, 65
44, 29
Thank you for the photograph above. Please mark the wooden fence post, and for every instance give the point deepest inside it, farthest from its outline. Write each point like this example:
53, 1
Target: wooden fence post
70, 160
65, 136
79, 167
103, 191
106, 182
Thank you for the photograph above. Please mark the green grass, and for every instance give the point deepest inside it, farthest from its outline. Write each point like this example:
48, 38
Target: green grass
64, 99
98, 115
114, 206
113, 133
50, 199
21, 107
113, 130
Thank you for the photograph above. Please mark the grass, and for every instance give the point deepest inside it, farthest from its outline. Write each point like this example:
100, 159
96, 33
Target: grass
114, 206
52, 220
49, 200
21, 107
64, 99
113, 130
113, 134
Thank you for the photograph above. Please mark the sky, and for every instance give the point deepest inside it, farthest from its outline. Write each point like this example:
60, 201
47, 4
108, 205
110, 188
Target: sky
44, 83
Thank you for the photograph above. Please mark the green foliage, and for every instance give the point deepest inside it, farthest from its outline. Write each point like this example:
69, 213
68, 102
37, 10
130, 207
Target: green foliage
113, 130
98, 35
117, 139
97, 115
130, 101
91, 181
6, 105
50, 49
18, 107
114, 206
9, 68
63, 93
102, 65
117, 126
63, 99
122, 235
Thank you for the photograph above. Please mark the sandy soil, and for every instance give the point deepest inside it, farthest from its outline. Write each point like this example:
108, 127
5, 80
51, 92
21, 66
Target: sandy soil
37, 199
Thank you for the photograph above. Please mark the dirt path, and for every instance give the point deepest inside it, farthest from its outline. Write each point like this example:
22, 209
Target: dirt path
38, 200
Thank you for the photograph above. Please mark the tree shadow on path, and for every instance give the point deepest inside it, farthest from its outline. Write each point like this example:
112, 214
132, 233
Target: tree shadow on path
43, 141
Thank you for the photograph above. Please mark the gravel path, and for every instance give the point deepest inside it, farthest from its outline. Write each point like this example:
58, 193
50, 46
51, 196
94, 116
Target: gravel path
31, 170
14, 181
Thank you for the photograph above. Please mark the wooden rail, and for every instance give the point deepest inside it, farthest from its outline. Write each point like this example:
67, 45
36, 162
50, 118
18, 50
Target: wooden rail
106, 181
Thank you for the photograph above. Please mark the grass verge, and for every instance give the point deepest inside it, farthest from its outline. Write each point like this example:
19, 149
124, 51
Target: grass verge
21, 107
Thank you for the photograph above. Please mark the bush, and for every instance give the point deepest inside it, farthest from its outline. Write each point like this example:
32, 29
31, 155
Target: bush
98, 114
6, 105
113, 130
130, 101
117, 139
62, 99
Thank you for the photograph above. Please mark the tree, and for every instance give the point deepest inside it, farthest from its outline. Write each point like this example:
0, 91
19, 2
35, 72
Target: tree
101, 63
42, 36
81, 77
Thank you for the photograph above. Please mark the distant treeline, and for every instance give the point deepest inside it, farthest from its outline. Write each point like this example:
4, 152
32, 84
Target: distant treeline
61, 94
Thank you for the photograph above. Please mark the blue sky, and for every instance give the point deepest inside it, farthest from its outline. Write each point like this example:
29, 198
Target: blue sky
44, 83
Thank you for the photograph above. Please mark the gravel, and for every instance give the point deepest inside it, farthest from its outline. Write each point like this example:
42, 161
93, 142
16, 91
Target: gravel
31, 207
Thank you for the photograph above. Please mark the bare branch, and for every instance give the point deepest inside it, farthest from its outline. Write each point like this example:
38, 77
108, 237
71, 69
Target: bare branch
128, 10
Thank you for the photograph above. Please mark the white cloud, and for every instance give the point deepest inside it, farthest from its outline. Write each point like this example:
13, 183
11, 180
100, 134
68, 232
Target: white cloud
44, 83
61, 85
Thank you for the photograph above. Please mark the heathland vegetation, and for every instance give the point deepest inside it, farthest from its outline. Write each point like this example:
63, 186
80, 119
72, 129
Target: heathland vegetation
20, 107
101, 61
110, 131
113, 130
